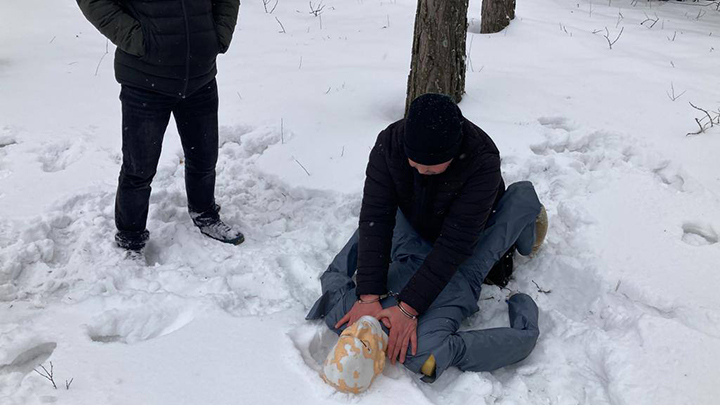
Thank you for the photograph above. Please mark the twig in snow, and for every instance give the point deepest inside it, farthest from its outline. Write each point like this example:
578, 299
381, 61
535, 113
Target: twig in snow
705, 111
107, 45
673, 37
68, 383
607, 36
711, 121
282, 132
281, 25
620, 18
702, 129
672, 95
300, 67
540, 290
617, 287
648, 19
265, 4
47, 374
53, 40
343, 152
316, 10
303, 167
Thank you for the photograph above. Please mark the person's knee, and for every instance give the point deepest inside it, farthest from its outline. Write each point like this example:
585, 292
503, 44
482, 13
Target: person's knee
201, 164
136, 177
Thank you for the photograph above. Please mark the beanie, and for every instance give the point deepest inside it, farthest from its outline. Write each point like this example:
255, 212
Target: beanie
433, 129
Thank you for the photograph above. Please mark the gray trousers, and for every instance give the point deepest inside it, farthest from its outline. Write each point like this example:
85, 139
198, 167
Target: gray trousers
512, 222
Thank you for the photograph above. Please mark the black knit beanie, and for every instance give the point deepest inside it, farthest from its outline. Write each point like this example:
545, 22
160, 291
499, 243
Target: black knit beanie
433, 129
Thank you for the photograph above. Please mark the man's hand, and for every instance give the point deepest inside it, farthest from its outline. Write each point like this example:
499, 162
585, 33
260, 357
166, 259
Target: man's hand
403, 331
359, 310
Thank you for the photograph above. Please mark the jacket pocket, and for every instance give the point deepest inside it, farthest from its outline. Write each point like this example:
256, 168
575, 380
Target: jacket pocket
147, 43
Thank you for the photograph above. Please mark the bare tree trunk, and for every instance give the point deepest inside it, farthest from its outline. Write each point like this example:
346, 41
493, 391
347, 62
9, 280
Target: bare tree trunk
496, 15
438, 53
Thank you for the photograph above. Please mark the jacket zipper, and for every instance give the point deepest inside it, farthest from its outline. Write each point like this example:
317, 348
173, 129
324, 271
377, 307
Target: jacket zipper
187, 54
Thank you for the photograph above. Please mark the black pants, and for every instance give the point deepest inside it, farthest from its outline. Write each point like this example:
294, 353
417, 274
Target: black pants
145, 116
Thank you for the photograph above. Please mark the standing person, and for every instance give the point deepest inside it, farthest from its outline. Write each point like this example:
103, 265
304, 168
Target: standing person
165, 63
434, 220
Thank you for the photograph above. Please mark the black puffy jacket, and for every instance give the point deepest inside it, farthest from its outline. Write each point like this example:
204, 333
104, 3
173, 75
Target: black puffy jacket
449, 209
168, 46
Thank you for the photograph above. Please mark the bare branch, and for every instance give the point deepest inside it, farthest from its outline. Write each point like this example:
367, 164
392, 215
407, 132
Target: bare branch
607, 36
705, 111
711, 120
48, 375
540, 290
281, 25
316, 10
107, 45
303, 167
68, 383
702, 129
648, 19
672, 94
266, 3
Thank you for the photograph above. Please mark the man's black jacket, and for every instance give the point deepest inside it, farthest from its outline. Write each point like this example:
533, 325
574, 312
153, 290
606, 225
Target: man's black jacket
449, 209
167, 46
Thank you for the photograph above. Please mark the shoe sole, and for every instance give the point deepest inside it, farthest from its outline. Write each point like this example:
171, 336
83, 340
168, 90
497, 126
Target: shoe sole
235, 242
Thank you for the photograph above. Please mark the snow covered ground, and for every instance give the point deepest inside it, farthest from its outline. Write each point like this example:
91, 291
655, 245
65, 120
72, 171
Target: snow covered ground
629, 308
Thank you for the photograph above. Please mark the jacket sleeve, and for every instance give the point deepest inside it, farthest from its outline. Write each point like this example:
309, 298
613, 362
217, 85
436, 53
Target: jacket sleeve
225, 13
115, 23
377, 221
460, 233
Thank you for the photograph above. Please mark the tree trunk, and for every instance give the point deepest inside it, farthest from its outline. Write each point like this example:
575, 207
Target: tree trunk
438, 53
496, 15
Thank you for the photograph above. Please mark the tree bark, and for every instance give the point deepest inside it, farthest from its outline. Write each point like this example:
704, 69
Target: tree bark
496, 15
438, 53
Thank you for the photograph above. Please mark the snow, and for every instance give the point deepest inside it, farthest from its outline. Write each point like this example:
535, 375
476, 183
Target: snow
630, 262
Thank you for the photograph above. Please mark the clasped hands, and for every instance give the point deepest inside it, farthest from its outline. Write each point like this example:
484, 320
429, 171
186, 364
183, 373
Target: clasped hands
403, 328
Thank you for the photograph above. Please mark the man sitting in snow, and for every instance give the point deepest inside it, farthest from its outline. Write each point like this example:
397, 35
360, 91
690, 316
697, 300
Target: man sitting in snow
435, 219
165, 62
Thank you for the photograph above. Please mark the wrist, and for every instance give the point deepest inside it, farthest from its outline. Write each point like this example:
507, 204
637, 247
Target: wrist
407, 310
368, 299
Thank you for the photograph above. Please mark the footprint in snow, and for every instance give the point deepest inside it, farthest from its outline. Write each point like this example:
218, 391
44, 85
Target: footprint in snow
697, 234
314, 341
58, 156
133, 326
29, 359
562, 123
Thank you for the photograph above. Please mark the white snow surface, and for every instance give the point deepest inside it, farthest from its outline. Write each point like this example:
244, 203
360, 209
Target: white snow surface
630, 312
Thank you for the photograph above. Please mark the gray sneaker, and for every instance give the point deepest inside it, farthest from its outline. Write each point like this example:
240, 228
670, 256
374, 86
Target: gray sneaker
212, 226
